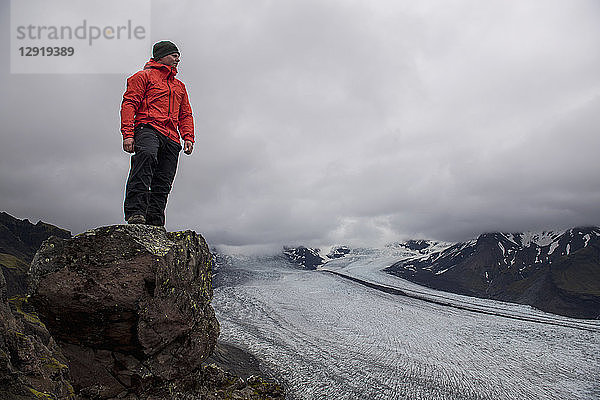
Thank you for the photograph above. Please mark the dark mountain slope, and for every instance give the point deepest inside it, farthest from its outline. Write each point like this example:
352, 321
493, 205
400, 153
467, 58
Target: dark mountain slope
558, 273
19, 240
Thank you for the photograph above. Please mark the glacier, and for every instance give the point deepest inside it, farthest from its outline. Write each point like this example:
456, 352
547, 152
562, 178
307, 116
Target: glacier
350, 331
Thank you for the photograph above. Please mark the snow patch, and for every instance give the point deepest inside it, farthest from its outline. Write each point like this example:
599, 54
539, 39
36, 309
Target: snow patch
511, 237
553, 247
537, 256
502, 248
539, 238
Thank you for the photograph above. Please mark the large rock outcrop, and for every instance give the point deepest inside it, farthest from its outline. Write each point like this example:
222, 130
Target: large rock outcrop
129, 307
31, 363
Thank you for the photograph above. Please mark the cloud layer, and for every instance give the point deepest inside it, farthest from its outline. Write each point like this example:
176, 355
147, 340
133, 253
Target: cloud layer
324, 122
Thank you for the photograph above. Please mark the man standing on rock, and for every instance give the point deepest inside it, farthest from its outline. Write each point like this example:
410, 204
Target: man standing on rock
154, 114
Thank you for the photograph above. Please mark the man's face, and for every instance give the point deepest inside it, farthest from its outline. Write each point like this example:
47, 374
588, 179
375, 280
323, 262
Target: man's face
171, 60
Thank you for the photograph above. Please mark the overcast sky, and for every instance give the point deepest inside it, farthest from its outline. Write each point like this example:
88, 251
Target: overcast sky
322, 122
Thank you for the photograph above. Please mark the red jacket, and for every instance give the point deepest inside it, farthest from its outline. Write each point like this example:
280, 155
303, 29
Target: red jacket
155, 97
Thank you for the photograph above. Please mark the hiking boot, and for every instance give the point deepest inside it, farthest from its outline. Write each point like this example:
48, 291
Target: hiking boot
137, 219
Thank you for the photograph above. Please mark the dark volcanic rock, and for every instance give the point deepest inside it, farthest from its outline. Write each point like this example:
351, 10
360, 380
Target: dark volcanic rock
418, 245
31, 364
130, 307
304, 256
19, 240
219, 384
339, 252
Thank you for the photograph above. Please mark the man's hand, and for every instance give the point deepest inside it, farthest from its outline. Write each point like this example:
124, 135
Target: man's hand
128, 145
188, 147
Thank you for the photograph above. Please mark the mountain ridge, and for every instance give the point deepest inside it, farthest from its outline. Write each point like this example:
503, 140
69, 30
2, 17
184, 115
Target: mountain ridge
19, 240
557, 272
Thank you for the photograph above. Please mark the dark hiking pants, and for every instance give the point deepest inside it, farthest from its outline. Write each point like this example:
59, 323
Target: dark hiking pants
153, 167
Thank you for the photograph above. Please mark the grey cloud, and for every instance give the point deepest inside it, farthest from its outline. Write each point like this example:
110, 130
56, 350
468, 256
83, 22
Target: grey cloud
328, 122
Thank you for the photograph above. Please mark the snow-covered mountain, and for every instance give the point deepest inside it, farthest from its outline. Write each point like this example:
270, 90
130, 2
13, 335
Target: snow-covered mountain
558, 272
312, 258
303, 256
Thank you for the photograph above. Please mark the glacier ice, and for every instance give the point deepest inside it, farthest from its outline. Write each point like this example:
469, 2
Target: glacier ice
328, 337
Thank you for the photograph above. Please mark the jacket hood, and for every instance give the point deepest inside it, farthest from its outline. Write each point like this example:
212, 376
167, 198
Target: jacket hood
153, 64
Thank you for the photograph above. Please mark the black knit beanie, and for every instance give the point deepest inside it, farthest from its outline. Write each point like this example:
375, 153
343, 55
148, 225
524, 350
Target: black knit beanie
163, 48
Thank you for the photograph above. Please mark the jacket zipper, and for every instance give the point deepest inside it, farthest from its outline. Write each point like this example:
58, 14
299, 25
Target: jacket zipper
169, 86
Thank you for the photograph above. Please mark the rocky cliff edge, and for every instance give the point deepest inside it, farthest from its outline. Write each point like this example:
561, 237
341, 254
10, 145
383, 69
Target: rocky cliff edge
128, 316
